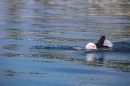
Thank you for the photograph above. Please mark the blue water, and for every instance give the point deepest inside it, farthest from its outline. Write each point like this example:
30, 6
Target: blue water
42, 42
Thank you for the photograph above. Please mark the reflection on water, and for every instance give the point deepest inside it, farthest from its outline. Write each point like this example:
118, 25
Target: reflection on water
45, 39
94, 60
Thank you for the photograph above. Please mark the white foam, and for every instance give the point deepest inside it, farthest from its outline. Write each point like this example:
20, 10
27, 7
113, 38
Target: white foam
108, 43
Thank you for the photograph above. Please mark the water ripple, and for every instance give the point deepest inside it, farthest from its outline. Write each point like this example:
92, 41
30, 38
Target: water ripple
45, 39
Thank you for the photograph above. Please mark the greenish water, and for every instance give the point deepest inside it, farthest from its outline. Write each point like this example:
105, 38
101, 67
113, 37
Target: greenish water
42, 42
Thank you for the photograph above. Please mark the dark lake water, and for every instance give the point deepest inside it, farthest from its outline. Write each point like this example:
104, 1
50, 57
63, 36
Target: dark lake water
42, 42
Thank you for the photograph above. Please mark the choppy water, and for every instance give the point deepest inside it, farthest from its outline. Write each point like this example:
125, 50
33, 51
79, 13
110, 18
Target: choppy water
42, 42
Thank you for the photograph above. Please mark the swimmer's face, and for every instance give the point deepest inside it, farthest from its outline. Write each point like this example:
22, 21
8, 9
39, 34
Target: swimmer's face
91, 46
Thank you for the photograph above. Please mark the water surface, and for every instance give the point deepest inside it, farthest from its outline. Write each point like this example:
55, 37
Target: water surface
42, 42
